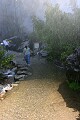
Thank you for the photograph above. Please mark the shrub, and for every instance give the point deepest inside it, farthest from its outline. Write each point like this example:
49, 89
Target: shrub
5, 59
74, 86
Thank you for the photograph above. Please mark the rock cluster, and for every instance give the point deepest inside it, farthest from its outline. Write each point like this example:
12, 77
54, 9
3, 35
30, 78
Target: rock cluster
72, 66
11, 76
22, 72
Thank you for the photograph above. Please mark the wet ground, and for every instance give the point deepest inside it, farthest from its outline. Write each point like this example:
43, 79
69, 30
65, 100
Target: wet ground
42, 96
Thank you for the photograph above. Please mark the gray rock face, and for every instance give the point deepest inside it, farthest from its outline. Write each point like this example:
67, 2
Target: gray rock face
73, 66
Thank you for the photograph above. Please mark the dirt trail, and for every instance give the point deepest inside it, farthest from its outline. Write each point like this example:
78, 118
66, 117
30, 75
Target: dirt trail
43, 96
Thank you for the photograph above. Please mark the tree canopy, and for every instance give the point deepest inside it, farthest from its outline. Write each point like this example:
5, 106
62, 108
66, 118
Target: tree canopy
60, 30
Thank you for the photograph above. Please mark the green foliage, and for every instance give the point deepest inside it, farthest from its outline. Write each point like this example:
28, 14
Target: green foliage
4, 59
66, 51
38, 26
74, 86
54, 53
61, 31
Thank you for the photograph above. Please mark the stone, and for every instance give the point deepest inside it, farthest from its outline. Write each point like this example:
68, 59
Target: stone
17, 77
21, 79
10, 79
8, 87
2, 92
1, 88
20, 65
14, 69
24, 68
26, 76
14, 84
29, 73
21, 73
17, 82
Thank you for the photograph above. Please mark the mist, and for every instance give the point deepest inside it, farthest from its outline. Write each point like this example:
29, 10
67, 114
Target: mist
15, 15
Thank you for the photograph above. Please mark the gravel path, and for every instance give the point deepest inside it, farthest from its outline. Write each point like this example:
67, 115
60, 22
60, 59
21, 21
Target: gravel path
43, 96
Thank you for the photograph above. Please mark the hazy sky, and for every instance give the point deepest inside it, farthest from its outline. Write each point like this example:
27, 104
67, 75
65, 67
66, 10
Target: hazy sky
65, 4
38, 6
27, 8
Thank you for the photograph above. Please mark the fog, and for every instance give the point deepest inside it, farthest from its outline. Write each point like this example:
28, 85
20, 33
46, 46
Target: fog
15, 15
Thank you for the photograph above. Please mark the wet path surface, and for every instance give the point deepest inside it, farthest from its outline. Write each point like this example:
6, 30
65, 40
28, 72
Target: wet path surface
42, 96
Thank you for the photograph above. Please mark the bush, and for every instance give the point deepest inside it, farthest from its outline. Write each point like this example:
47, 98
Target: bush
66, 51
4, 59
74, 86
